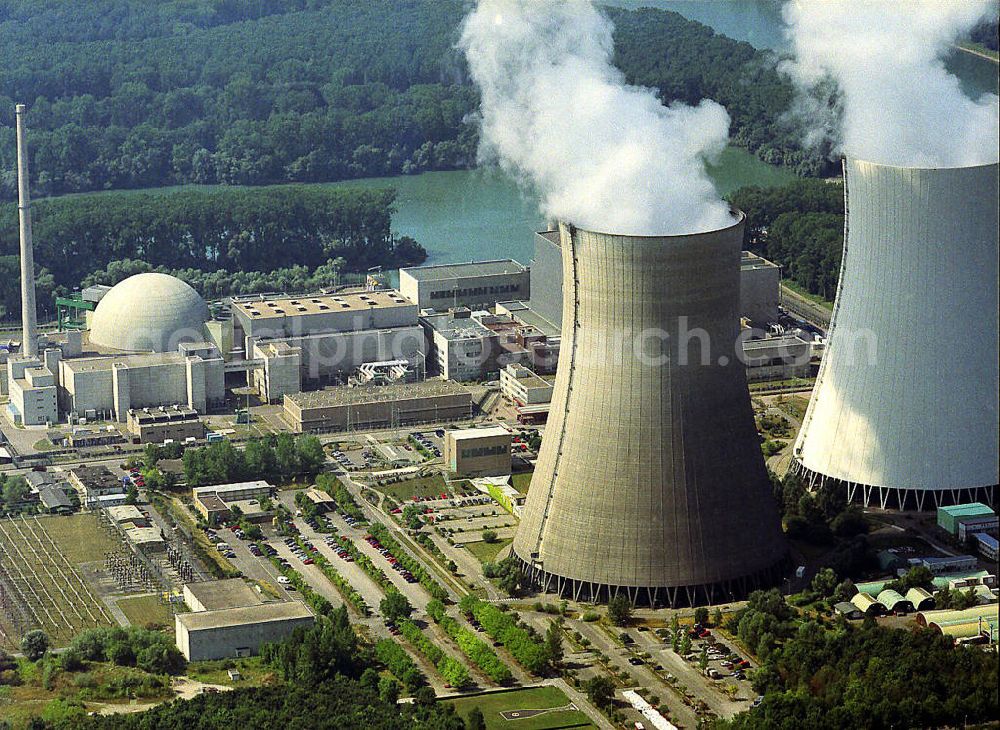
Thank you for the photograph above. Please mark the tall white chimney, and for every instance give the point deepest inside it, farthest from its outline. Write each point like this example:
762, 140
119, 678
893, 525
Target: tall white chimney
29, 329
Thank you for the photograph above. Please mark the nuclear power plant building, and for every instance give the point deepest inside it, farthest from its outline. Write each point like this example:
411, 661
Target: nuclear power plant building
904, 412
650, 479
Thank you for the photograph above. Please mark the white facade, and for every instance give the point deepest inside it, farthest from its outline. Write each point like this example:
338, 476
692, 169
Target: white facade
111, 386
472, 284
32, 391
522, 386
237, 632
906, 404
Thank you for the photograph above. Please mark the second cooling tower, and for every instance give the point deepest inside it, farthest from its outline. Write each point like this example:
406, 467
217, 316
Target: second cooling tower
650, 479
904, 412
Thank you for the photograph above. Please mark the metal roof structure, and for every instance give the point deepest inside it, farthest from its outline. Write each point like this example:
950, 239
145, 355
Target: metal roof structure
905, 408
650, 481
472, 268
149, 313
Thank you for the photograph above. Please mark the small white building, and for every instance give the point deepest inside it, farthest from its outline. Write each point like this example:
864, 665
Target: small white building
520, 385
33, 392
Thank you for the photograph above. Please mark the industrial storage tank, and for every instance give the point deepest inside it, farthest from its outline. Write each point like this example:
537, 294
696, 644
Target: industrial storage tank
650, 479
904, 412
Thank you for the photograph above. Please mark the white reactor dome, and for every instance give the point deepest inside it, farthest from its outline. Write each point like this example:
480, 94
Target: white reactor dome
149, 313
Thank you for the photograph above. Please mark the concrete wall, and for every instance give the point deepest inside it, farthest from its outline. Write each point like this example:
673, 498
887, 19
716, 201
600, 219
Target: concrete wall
225, 642
906, 397
465, 291
477, 457
760, 290
650, 474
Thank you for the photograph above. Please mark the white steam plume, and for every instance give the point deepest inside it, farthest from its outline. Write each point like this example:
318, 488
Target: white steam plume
899, 105
558, 116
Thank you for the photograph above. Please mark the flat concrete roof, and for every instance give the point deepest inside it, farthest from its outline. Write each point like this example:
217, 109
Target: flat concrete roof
245, 615
478, 433
223, 489
107, 362
750, 260
216, 595
344, 395
522, 312
97, 477
438, 272
125, 512
258, 309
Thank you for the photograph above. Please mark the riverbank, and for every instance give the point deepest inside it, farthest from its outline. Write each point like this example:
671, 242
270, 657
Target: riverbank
977, 50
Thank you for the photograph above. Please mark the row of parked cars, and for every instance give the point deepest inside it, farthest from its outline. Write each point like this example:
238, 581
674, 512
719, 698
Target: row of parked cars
337, 545
424, 441
393, 561
304, 555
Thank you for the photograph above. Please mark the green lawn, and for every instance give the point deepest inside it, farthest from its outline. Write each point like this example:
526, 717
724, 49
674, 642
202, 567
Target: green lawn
431, 486
80, 538
805, 294
143, 610
487, 552
535, 698
521, 481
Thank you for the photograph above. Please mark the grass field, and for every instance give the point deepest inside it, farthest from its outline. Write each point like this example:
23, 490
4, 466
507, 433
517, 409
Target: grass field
80, 537
534, 698
43, 583
424, 487
143, 610
487, 552
521, 481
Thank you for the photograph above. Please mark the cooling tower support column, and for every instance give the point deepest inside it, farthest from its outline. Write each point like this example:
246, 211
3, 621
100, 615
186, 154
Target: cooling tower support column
650, 481
905, 409
29, 330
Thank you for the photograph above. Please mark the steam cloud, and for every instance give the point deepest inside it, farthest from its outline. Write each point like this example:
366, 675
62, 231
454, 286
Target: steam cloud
559, 117
898, 104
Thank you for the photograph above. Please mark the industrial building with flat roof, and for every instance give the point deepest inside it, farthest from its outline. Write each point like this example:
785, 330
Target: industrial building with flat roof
472, 284
109, 387
345, 408
520, 385
478, 452
470, 346
239, 631
215, 595
156, 425
318, 339
215, 503
961, 520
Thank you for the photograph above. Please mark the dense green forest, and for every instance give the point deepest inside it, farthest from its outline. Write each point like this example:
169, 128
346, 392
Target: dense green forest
842, 676
221, 240
131, 94
799, 226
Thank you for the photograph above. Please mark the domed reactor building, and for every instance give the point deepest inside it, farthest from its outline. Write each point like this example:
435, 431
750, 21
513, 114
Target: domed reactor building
149, 313
650, 481
904, 413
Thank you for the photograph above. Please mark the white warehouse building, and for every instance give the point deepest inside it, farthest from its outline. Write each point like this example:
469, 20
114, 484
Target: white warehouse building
237, 632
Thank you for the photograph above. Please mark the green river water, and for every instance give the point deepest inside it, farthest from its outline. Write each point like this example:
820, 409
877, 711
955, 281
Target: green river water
479, 215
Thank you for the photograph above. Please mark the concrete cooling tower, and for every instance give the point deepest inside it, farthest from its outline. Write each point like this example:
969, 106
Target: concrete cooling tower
650, 481
904, 412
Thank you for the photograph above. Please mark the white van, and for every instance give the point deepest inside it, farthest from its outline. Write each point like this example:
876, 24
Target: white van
283, 580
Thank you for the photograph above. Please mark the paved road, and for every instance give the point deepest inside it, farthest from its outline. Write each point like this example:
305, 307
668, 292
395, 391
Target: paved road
805, 308
690, 675
641, 676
